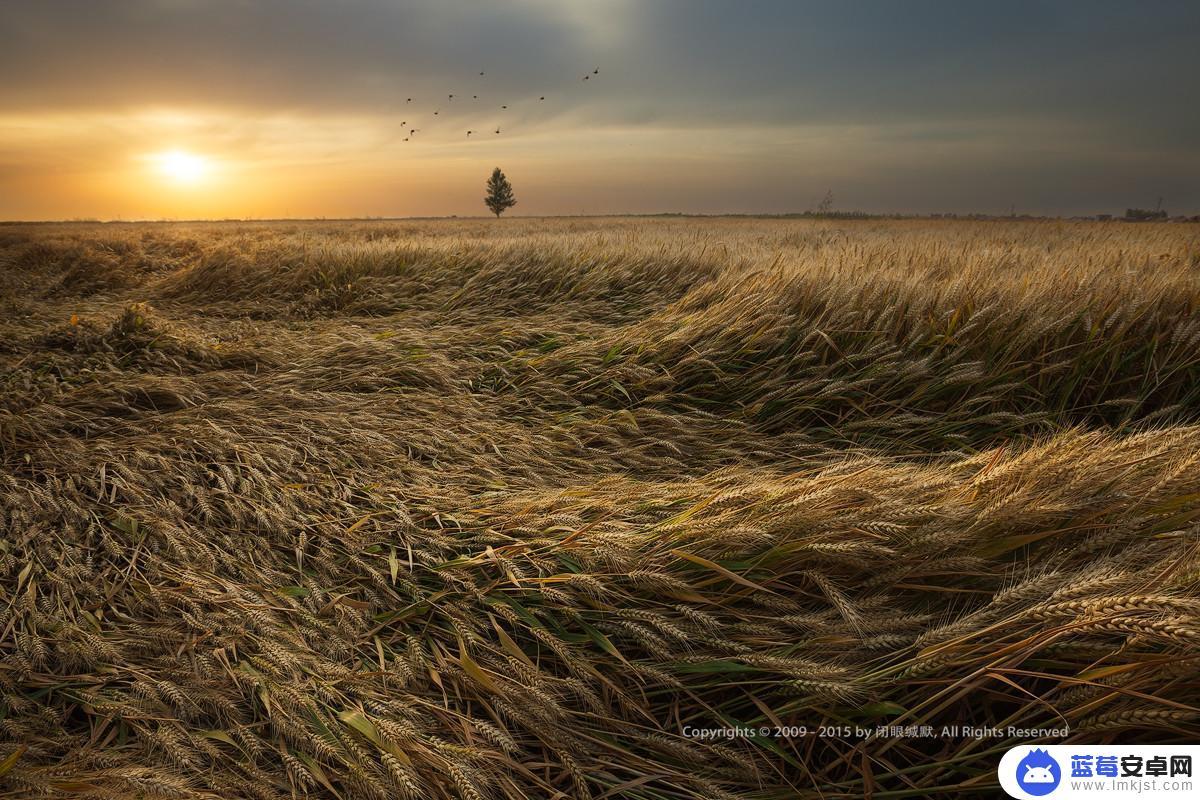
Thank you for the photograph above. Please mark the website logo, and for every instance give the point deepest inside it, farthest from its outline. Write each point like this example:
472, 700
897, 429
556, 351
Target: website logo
1038, 773
1108, 771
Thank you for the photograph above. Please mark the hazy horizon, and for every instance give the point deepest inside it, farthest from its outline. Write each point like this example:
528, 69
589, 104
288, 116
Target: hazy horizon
177, 109
840, 216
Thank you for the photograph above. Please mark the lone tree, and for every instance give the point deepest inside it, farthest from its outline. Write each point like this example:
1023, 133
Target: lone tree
500, 193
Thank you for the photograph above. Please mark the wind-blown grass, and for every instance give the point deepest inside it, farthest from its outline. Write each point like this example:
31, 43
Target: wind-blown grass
506, 510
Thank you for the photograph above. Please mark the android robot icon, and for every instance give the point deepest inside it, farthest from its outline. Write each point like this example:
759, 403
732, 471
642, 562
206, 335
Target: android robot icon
1038, 773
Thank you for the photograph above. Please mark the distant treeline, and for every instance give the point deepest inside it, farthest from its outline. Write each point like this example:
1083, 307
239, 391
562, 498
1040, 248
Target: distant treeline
1131, 215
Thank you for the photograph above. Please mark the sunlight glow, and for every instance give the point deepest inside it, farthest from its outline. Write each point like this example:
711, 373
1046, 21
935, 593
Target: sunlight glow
181, 166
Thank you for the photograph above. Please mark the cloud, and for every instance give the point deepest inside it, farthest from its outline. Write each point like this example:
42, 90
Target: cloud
775, 60
289, 54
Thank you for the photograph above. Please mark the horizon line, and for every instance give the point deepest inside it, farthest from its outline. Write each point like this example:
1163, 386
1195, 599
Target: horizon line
833, 215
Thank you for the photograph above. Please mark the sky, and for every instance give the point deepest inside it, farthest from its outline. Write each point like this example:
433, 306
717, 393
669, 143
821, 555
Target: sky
153, 109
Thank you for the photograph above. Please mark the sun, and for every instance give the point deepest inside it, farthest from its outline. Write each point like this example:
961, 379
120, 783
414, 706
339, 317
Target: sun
181, 166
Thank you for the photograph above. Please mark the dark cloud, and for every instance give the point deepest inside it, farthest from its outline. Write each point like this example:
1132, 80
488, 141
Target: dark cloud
277, 53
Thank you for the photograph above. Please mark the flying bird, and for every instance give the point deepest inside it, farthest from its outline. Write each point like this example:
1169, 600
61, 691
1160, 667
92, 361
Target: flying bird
504, 106
481, 73
435, 113
585, 77
497, 130
596, 71
451, 97
541, 98
470, 132
474, 97
409, 100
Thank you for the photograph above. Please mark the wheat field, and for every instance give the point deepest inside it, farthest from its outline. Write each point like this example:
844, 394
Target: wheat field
513, 509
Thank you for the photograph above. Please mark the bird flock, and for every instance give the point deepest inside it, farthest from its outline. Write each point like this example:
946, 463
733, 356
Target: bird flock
410, 133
